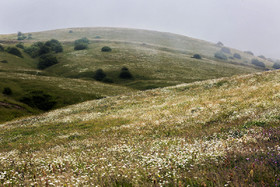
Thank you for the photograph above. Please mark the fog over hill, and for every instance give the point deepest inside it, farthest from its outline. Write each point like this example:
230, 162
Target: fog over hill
243, 24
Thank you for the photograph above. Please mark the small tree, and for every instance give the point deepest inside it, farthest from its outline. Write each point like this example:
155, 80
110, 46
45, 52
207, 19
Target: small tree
196, 56
106, 49
256, 62
54, 45
125, 74
7, 91
99, 75
236, 55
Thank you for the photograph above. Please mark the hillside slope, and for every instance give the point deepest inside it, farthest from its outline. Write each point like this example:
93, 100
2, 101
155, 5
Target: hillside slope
216, 132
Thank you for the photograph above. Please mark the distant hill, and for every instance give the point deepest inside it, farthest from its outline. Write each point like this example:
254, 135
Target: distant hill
153, 59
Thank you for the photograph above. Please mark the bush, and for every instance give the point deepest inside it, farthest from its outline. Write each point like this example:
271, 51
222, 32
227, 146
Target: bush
34, 49
70, 31
14, 51
196, 56
20, 45
226, 50
125, 74
276, 66
220, 55
81, 46
106, 49
39, 100
46, 61
236, 55
7, 91
4, 61
249, 52
54, 45
256, 62
1, 48
262, 57
99, 75
220, 44
82, 40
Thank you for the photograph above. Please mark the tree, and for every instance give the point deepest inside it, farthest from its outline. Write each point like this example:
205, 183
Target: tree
249, 52
81, 44
125, 74
20, 45
99, 75
14, 51
7, 91
196, 56
46, 61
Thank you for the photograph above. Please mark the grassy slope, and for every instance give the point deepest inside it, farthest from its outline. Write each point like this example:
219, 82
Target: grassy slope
216, 132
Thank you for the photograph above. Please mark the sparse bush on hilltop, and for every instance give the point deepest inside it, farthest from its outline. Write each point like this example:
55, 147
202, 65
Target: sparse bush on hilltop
220, 44
54, 45
21, 36
258, 63
226, 50
99, 75
7, 91
46, 61
249, 52
196, 56
262, 57
106, 49
220, 55
276, 65
125, 74
81, 44
236, 55
14, 51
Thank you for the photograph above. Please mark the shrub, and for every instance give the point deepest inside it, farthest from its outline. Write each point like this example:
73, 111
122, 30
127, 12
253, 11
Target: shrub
97, 37
44, 50
39, 100
226, 50
82, 40
256, 62
220, 44
220, 55
99, 75
54, 45
81, 46
125, 74
34, 49
249, 52
262, 57
46, 61
276, 65
7, 91
20, 45
106, 49
236, 55
4, 61
70, 31
29, 36
196, 56
21, 36
14, 51
1, 48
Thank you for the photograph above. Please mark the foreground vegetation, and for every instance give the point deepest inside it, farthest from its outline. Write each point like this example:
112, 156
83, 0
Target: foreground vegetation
222, 132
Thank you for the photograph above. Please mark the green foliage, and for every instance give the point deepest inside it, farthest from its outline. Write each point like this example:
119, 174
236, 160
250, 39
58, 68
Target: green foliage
46, 61
276, 65
196, 56
2, 48
54, 45
258, 63
236, 55
262, 57
14, 51
34, 49
220, 55
125, 74
20, 45
226, 50
81, 44
249, 52
220, 44
4, 61
29, 36
7, 91
21, 36
99, 75
40, 48
39, 100
106, 49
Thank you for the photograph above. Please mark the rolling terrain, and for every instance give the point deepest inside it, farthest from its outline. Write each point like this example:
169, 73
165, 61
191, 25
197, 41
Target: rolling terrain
154, 59
220, 132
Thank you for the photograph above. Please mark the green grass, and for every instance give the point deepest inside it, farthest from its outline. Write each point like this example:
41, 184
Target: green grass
214, 133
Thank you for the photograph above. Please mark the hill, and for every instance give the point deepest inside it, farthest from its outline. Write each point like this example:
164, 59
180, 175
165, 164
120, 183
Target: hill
210, 133
154, 60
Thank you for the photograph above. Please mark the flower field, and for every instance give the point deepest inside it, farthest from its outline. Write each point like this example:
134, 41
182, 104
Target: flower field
222, 132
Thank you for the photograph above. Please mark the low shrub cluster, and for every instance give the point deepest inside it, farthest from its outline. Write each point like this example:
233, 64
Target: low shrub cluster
99, 75
258, 63
81, 44
225, 50
106, 49
220, 55
7, 91
20, 45
14, 51
40, 100
125, 74
196, 56
2, 48
46, 61
276, 65
236, 55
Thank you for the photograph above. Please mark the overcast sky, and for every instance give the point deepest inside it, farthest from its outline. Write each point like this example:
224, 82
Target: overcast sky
243, 24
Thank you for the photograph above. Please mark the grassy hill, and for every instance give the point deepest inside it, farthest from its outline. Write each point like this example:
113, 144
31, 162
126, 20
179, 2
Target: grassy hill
210, 133
155, 59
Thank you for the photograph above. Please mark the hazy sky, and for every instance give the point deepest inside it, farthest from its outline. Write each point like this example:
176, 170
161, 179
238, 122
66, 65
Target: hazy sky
243, 24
